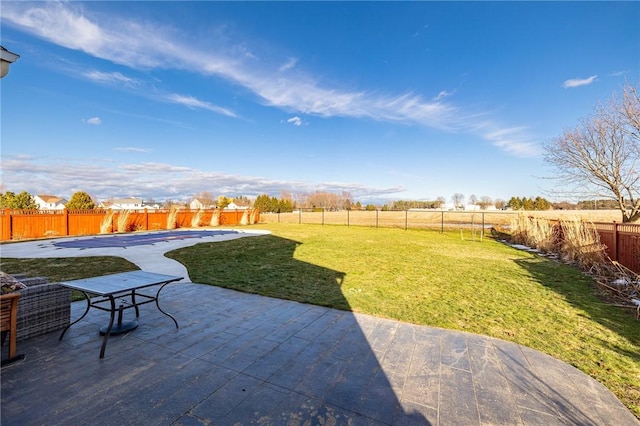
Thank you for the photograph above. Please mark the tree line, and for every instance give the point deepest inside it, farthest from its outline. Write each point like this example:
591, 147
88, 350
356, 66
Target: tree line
320, 200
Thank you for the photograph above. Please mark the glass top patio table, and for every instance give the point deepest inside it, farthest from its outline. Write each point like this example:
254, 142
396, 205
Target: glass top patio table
118, 286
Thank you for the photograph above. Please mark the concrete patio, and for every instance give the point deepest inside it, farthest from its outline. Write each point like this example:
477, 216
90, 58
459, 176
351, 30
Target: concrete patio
240, 359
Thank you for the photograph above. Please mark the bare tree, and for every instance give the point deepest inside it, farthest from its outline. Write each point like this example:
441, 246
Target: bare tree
485, 201
458, 200
601, 156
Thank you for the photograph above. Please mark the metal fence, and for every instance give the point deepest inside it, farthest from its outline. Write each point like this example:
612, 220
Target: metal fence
622, 240
402, 219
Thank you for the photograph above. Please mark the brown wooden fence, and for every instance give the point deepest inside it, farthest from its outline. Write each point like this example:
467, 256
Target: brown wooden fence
30, 224
622, 241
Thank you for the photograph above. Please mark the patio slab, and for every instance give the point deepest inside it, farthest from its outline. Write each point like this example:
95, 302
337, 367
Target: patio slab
241, 359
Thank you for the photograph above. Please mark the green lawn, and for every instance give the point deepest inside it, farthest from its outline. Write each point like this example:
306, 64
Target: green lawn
422, 277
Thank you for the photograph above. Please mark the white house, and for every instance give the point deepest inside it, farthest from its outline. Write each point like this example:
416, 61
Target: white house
123, 204
50, 202
234, 206
202, 203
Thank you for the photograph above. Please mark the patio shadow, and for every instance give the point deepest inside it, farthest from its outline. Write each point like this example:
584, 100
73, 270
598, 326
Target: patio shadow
339, 367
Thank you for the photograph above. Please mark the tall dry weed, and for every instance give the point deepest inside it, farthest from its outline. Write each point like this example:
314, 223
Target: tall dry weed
244, 220
255, 216
105, 225
581, 243
172, 218
195, 221
574, 240
123, 218
215, 218
534, 232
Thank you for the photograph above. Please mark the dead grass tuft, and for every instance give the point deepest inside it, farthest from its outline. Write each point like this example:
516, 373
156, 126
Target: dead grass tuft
581, 244
172, 218
195, 221
123, 218
573, 240
105, 225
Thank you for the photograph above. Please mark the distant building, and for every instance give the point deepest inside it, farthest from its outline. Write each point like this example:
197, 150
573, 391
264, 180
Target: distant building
123, 204
202, 203
447, 206
241, 203
50, 202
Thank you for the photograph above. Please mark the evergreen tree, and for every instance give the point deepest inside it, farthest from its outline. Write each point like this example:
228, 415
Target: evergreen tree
21, 201
515, 203
541, 204
80, 201
263, 203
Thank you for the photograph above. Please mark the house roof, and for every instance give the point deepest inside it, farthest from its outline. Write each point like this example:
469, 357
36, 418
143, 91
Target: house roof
204, 201
130, 200
50, 198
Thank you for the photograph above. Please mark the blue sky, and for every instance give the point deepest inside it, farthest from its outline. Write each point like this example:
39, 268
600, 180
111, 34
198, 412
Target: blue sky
385, 100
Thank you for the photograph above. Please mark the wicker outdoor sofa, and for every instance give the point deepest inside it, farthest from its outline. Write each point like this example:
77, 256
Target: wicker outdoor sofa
43, 307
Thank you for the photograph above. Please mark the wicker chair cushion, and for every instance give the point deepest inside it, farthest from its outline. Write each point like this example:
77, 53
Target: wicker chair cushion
10, 284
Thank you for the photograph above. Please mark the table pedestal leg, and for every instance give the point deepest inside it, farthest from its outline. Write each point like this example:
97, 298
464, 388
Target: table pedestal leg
120, 327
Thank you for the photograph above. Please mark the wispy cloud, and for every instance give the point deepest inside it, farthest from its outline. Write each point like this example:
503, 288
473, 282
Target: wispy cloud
194, 103
289, 64
514, 140
577, 82
619, 73
94, 121
443, 94
132, 149
296, 121
141, 45
111, 77
160, 181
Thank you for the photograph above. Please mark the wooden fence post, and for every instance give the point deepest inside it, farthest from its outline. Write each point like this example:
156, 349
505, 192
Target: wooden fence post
66, 222
10, 212
614, 249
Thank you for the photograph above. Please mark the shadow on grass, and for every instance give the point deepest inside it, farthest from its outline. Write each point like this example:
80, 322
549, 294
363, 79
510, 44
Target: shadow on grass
264, 265
580, 292
346, 374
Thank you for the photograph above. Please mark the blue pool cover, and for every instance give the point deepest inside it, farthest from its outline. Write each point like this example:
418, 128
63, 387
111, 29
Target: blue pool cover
138, 239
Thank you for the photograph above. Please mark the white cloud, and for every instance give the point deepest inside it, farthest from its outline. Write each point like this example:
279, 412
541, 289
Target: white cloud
146, 46
194, 103
95, 121
619, 73
111, 77
577, 82
514, 140
289, 64
132, 149
296, 121
160, 181
443, 94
